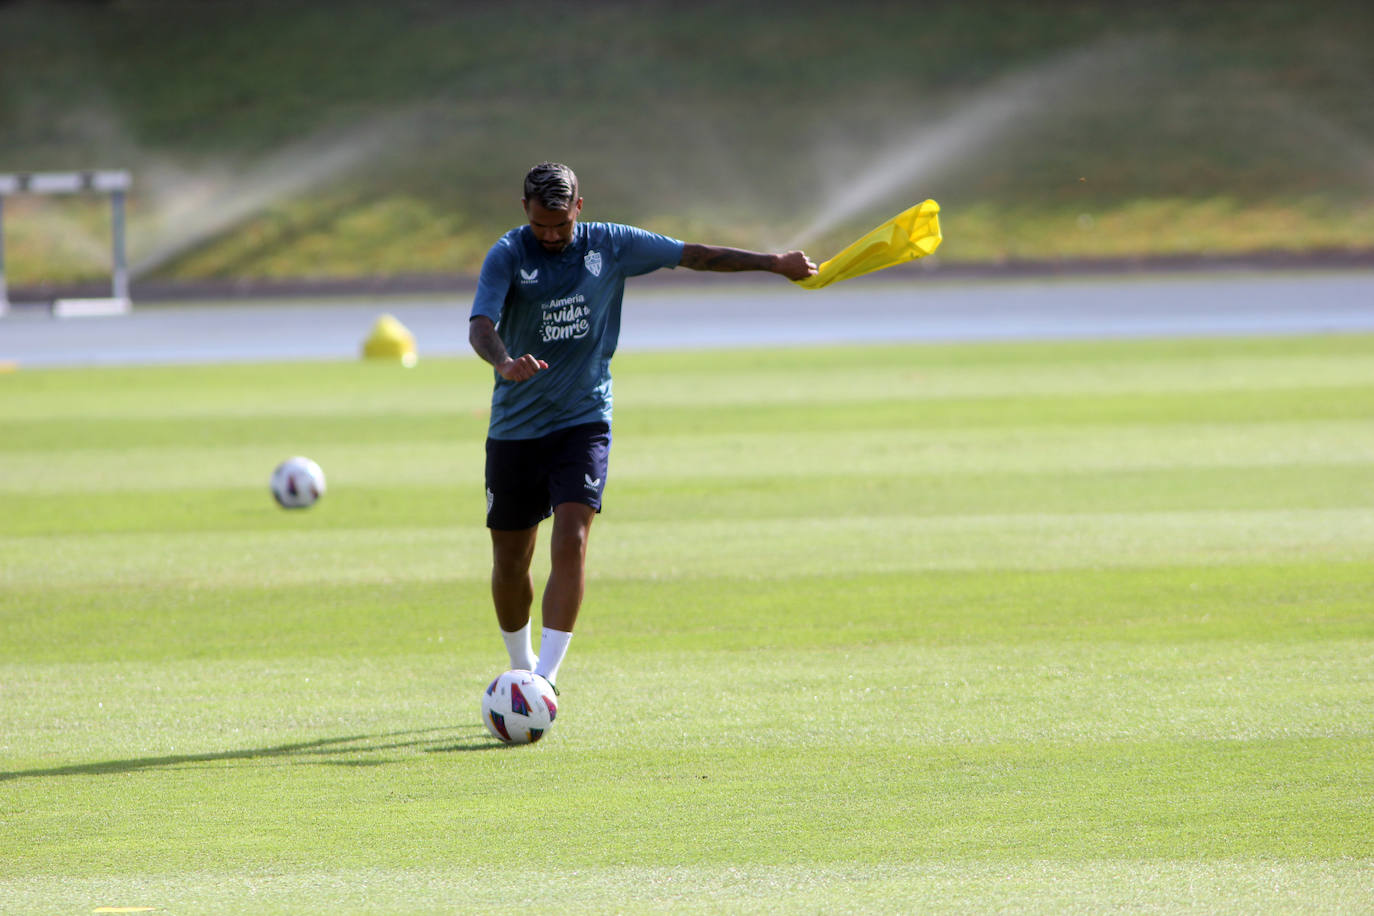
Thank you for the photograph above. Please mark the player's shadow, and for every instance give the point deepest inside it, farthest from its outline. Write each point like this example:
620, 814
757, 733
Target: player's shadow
351, 750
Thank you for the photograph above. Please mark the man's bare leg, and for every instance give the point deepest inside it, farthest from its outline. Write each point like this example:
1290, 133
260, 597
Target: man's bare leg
572, 524
512, 590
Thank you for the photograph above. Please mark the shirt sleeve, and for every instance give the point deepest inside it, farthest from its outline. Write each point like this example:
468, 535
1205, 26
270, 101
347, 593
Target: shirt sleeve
641, 252
493, 283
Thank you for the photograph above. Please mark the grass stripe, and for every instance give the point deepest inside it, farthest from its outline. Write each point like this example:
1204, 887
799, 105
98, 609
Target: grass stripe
1281, 602
860, 695
771, 548
746, 396
445, 427
749, 497
1336, 886
1104, 800
809, 375
863, 453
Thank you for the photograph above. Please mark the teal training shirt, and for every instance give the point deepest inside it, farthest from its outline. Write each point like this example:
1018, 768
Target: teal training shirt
563, 308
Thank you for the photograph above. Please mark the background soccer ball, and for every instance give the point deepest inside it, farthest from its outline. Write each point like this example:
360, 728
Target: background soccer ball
297, 483
518, 707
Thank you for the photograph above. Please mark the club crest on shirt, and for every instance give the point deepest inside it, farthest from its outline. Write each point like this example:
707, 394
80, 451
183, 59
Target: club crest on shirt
593, 262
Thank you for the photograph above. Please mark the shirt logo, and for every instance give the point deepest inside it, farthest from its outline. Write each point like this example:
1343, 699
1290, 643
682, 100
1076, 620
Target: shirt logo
529, 276
568, 318
593, 262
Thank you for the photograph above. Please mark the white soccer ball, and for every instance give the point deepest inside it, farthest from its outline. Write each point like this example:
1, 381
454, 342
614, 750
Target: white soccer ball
297, 483
519, 707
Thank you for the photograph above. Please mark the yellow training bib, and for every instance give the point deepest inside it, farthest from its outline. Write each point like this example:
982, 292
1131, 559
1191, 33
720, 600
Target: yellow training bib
911, 234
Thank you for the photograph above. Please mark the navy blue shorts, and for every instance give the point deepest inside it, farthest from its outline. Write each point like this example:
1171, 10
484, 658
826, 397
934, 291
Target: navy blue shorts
526, 478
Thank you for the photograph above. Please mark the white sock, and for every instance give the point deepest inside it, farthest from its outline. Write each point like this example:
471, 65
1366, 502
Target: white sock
553, 646
518, 645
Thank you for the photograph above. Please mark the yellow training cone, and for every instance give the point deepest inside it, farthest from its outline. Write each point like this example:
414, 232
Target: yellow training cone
912, 234
390, 340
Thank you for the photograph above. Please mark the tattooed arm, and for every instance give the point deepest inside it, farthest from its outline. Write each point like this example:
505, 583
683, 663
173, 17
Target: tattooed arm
794, 265
488, 345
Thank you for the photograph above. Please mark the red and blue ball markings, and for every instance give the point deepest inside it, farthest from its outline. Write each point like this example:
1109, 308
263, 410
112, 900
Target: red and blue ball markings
518, 704
499, 723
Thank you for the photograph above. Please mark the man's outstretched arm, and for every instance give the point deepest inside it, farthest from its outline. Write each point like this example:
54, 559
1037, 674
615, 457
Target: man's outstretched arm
794, 265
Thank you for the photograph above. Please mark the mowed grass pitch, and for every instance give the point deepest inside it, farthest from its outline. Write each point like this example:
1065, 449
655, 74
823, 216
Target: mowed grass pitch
1047, 627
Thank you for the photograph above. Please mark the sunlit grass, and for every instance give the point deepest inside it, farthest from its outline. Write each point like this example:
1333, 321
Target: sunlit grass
1045, 627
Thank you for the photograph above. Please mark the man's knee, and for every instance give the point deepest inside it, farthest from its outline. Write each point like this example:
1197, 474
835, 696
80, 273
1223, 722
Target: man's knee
511, 552
572, 524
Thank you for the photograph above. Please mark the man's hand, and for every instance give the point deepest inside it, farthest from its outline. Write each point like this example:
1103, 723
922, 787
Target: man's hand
795, 265
487, 343
519, 370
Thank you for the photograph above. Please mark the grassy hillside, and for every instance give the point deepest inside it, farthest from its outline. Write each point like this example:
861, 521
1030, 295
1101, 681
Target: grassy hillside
362, 139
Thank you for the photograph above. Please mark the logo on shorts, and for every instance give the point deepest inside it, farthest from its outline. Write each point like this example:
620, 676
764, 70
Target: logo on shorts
529, 276
591, 484
491, 500
593, 262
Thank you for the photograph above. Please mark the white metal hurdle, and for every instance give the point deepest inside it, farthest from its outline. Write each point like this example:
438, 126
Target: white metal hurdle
114, 183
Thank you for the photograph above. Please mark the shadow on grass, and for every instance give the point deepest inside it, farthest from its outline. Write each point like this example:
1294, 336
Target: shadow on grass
346, 751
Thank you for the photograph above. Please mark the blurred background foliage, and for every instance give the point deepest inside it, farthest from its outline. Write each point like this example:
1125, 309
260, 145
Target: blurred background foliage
343, 139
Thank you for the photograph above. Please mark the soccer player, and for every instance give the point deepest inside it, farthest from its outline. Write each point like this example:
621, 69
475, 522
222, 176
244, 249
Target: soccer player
547, 317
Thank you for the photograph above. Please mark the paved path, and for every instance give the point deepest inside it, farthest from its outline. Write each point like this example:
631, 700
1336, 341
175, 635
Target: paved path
701, 312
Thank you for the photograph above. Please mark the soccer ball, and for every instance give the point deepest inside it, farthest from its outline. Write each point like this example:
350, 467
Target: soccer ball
518, 707
297, 483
